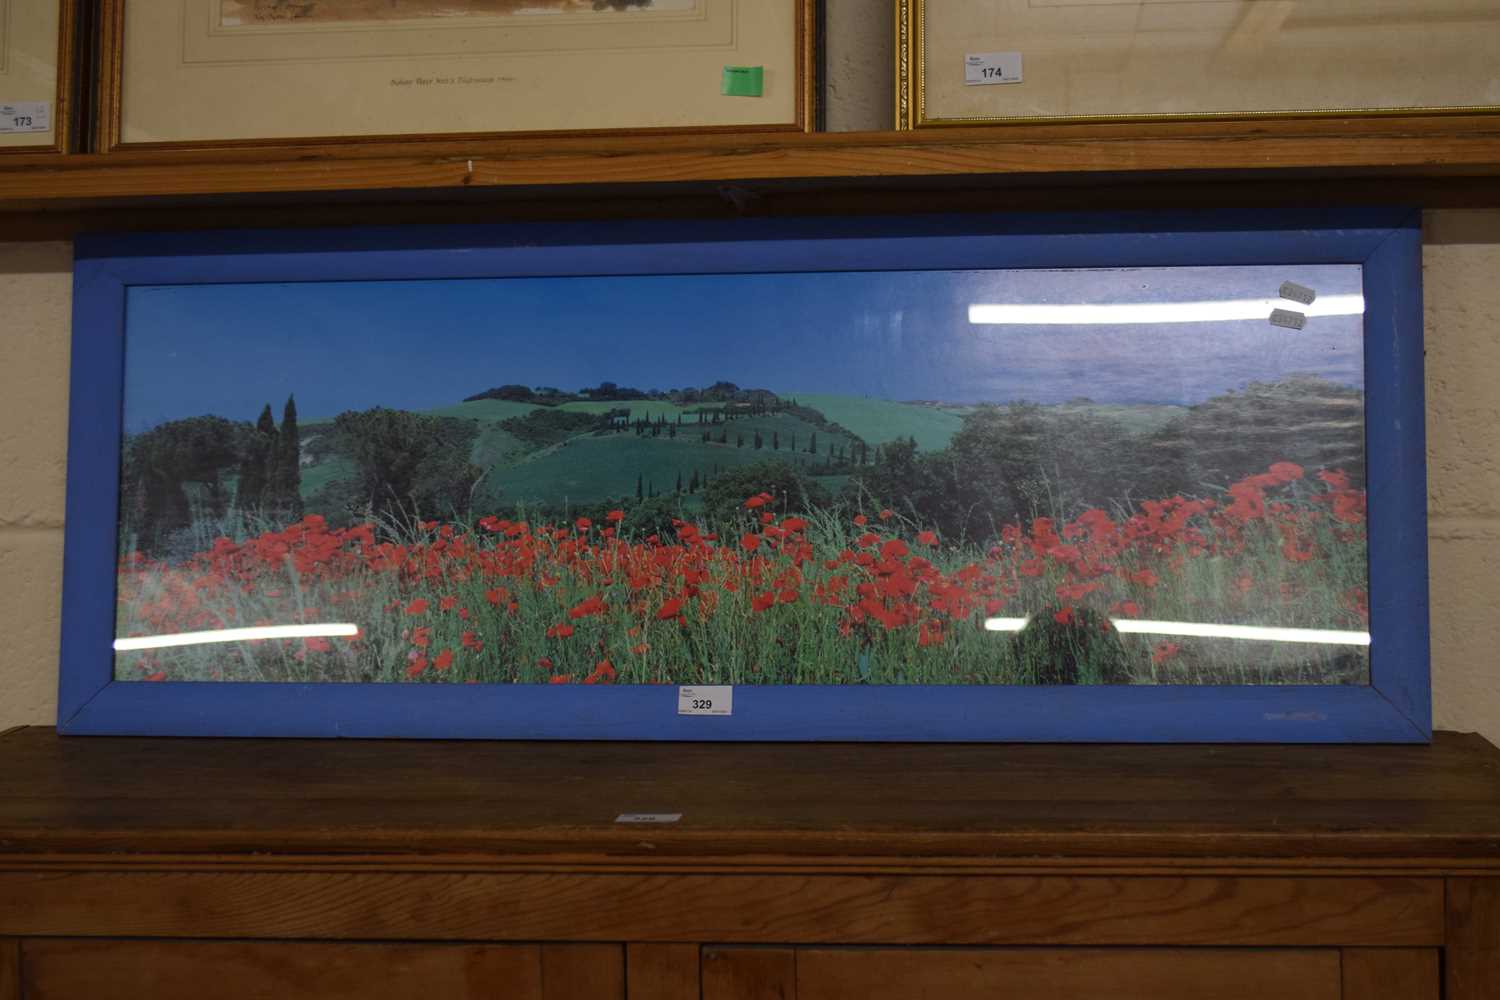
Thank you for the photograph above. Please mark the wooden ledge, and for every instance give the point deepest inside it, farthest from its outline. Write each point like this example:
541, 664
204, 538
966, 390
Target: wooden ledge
76, 801
1396, 146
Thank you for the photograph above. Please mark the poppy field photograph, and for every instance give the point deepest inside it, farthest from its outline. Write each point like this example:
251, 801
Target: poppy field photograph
1096, 476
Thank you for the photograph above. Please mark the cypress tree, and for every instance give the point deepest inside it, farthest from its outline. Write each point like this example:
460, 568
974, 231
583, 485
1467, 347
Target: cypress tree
740, 441
775, 441
679, 480
812, 444
286, 468
255, 463
639, 487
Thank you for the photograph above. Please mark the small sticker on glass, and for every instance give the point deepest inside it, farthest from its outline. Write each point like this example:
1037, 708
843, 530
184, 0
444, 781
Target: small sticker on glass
1298, 293
25, 116
743, 81
1287, 319
982, 68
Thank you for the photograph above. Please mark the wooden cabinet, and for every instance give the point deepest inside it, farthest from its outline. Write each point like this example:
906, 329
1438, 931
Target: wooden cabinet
1024, 973
242, 869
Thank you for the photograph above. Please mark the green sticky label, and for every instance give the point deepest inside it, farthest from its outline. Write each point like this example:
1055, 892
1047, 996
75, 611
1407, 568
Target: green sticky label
743, 81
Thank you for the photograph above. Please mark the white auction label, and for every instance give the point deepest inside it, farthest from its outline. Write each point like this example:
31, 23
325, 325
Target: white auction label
25, 116
705, 700
992, 67
648, 817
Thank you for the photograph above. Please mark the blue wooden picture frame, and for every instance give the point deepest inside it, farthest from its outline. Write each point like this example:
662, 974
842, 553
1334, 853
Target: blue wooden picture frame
1394, 707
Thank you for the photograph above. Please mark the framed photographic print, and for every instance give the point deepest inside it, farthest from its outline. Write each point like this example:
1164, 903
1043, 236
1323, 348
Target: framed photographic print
980, 478
36, 45
255, 72
971, 62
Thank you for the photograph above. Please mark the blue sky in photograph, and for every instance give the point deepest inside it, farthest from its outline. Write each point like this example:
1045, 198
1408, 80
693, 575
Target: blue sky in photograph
230, 349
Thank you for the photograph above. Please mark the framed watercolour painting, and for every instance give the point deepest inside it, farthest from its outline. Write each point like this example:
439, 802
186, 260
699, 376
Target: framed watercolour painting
981, 478
969, 62
36, 77
255, 72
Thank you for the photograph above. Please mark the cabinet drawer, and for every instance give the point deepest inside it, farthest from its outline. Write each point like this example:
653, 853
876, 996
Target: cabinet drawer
263, 970
1021, 974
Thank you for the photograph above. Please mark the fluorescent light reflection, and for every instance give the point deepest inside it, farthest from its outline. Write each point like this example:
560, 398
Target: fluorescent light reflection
1125, 313
1142, 626
235, 635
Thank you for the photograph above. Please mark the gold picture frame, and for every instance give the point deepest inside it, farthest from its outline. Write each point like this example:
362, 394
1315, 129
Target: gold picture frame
1160, 84
197, 74
37, 66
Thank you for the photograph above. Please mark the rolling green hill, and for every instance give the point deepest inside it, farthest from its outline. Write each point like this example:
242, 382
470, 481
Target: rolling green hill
484, 410
592, 467
880, 420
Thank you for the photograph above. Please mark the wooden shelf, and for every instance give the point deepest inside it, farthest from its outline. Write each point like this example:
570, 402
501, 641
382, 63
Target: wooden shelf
909, 806
1452, 158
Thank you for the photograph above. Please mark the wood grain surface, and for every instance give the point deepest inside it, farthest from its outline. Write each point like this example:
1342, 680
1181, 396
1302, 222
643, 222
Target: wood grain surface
730, 908
10, 969
275, 801
1071, 973
251, 970
581, 972
1472, 958
662, 971
750, 974
1445, 145
1392, 974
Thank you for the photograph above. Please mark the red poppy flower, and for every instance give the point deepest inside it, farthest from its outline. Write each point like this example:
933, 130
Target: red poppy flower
447, 603
561, 679
416, 665
1164, 651
615, 516
592, 606
762, 601
887, 514
861, 520
583, 524
893, 549
545, 663
749, 542
671, 609
443, 660
604, 672
754, 502
559, 631
640, 648
1063, 617
927, 538
160, 675
417, 607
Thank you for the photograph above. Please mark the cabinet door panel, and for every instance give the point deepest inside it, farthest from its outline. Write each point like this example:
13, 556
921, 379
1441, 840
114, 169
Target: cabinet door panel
257, 970
1025, 974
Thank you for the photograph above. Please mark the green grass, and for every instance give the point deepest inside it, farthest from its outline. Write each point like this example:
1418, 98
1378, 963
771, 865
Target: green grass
1137, 418
484, 410
881, 420
315, 477
592, 467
